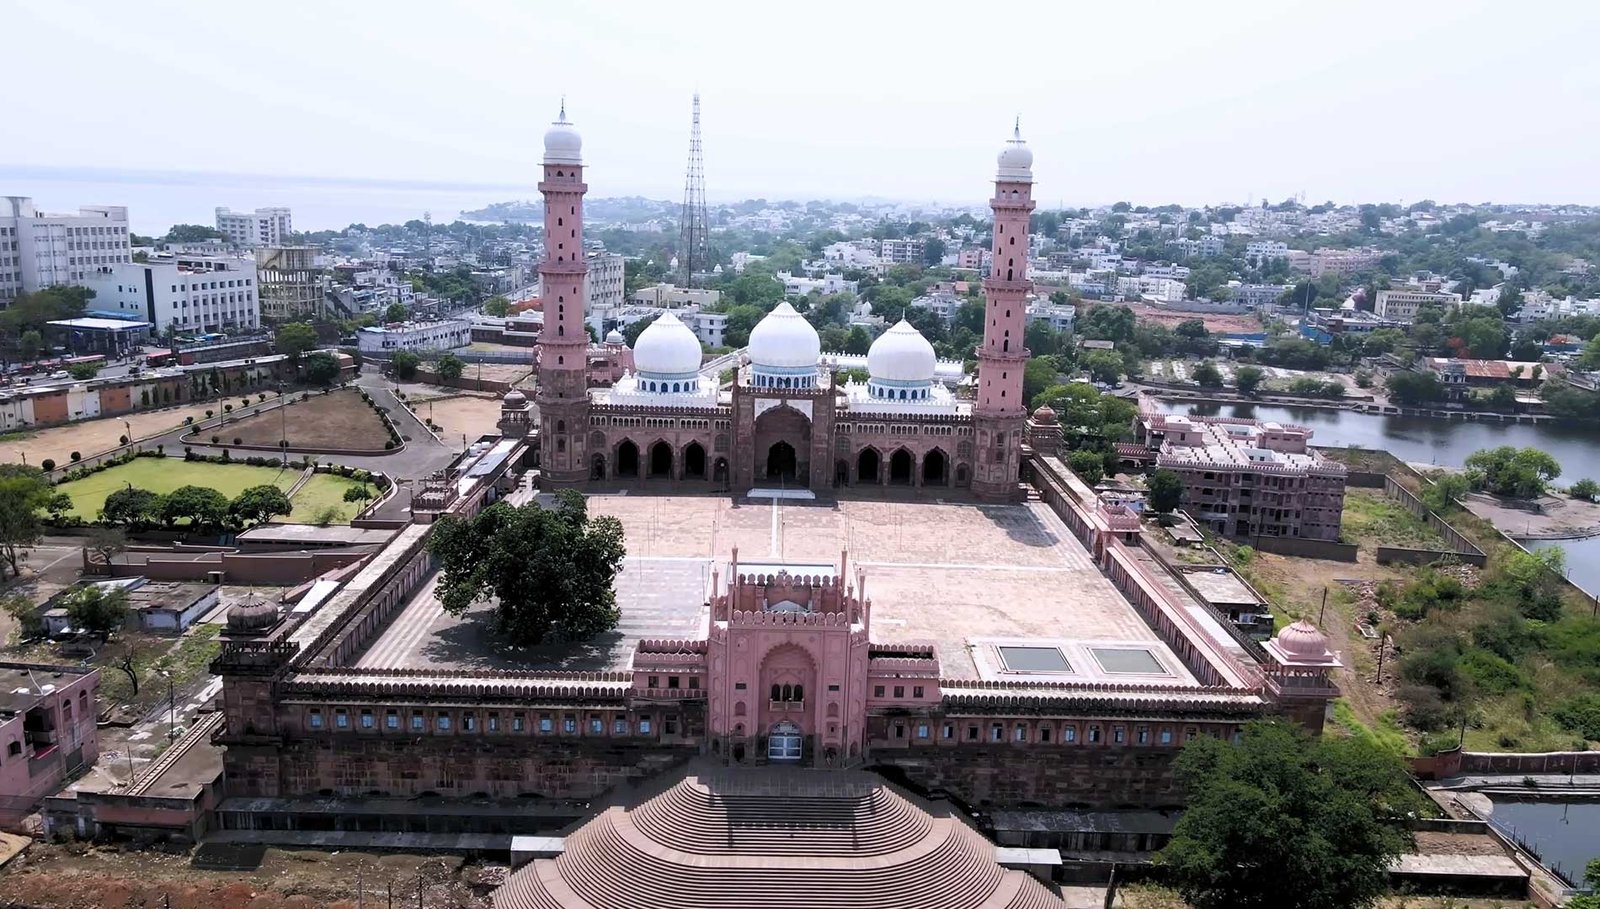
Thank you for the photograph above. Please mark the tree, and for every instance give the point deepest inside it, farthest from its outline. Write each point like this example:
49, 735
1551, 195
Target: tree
1103, 366
497, 306
1248, 380
1591, 877
1446, 489
97, 611
23, 493
192, 233
450, 367
1506, 471
26, 615
322, 368
397, 312
1207, 375
202, 506
106, 542
551, 571
1328, 811
1088, 465
131, 506
1165, 489
29, 344
1585, 489
358, 493
632, 331
83, 371
1037, 375
933, 250
259, 504
1107, 322
1414, 387
859, 341
294, 339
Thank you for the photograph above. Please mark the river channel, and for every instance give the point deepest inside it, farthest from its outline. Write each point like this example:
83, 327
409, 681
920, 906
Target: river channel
1427, 440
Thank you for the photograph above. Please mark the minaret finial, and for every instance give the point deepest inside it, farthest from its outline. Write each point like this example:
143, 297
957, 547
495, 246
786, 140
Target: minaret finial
563, 109
1016, 129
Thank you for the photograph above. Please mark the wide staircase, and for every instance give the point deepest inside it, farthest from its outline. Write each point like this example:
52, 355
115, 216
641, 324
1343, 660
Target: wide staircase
775, 838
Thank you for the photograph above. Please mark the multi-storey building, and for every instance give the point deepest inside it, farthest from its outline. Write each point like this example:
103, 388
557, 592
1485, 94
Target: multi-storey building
907, 250
1401, 304
181, 293
1247, 479
1262, 251
603, 286
386, 339
39, 250
291, 286
262, 227
47, 732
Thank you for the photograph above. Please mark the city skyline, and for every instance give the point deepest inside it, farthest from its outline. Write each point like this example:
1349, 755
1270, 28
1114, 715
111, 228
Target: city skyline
1159, 104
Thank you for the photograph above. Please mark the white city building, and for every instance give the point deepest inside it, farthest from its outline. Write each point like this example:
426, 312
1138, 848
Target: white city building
1402, 304
262, 227
1260, 251
445, 335
184, 293
39, 250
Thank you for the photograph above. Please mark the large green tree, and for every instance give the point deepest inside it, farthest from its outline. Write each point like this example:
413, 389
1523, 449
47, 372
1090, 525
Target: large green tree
321, 368
132, 507
551, 571
1507, 471
200, 505
1166, 490
96, 610
259, 504
1285, 821
295, 339
24, 493
450, 367
1248, 380
405, 364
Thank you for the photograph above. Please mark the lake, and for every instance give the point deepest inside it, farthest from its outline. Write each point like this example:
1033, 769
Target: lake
1565, 834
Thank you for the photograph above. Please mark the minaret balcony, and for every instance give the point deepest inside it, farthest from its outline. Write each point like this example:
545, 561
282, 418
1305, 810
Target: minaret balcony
562, 186
577, 266
1005, 356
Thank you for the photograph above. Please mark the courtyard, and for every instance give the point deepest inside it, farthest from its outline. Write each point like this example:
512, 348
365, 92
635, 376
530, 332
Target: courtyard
90, 437
965, 577
162, 475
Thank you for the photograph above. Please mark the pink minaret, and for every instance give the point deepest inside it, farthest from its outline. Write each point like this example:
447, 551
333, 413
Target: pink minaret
1000, 413
563, 395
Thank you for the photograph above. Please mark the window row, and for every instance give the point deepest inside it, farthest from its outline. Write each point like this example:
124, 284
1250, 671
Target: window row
899, 691
493, 721
1045, 734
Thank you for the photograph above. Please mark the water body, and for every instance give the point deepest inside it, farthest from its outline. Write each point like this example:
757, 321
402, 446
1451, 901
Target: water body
1564, 834
156, 200
1448, 443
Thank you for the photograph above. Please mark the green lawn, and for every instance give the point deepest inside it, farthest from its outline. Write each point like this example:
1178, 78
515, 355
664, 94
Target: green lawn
163, 475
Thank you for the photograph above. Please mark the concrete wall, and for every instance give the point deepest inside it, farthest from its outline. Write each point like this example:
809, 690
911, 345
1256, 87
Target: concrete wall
1400, 554
1457, 541
1106, 776
1306, 549
1448, 764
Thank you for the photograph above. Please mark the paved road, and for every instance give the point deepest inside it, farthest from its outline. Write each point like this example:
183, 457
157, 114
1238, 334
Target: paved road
422, 455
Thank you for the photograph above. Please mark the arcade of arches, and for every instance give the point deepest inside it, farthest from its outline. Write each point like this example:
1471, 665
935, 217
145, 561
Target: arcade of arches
781, 461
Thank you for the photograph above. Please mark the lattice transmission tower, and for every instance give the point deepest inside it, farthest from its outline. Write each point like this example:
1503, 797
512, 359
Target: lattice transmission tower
694, 244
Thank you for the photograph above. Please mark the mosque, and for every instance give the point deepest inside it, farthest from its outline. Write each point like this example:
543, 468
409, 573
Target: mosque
786, 420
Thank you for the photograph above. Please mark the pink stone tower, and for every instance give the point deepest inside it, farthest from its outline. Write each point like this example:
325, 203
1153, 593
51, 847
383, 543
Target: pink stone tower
563, 395
1000, 413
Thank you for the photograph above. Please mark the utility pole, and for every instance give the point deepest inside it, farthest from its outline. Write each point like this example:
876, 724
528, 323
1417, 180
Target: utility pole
172, 711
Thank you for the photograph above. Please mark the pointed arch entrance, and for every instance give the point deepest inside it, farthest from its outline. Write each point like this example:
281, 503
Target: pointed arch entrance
661, 461
841, 473
597, 467
935, 469
694, 462
628, 459
782, 462
901, 467
867, 466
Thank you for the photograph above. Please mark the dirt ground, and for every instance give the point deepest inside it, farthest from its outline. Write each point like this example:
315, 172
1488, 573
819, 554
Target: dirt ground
339, 419
94, 436
458, 414
1559, 517
86, 877
1243, 322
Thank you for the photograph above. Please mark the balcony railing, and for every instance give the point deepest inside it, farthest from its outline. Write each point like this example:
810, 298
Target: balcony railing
786, 706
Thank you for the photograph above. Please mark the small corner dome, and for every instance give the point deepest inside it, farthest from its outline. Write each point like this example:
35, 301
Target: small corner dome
901, 354
615, 337
1045, 414
562, 144
784, 339
1016, 159
514, 398
667, 347
1303, 641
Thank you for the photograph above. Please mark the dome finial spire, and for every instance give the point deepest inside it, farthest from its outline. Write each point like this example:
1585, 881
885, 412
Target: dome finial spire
563, 117
1016, 129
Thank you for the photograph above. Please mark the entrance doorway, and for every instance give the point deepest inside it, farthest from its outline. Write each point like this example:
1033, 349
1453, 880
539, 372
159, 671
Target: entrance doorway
694, 462
867, 466
933, 468
627, 459
841, 473
900, 468
597, 469
785, 743
781, 462
661, 460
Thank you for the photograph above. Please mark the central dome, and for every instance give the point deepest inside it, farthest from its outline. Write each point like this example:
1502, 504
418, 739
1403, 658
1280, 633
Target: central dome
901, 354
667, 349
562, 144
1015, 160
785, 340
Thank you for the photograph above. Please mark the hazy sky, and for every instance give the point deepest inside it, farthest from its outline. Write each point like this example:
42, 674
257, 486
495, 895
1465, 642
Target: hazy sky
1466, 100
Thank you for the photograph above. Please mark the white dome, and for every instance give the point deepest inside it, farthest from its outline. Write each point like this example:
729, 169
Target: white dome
666, 348
615, 337
785, 340
901, 354
562, 144
1016, 160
